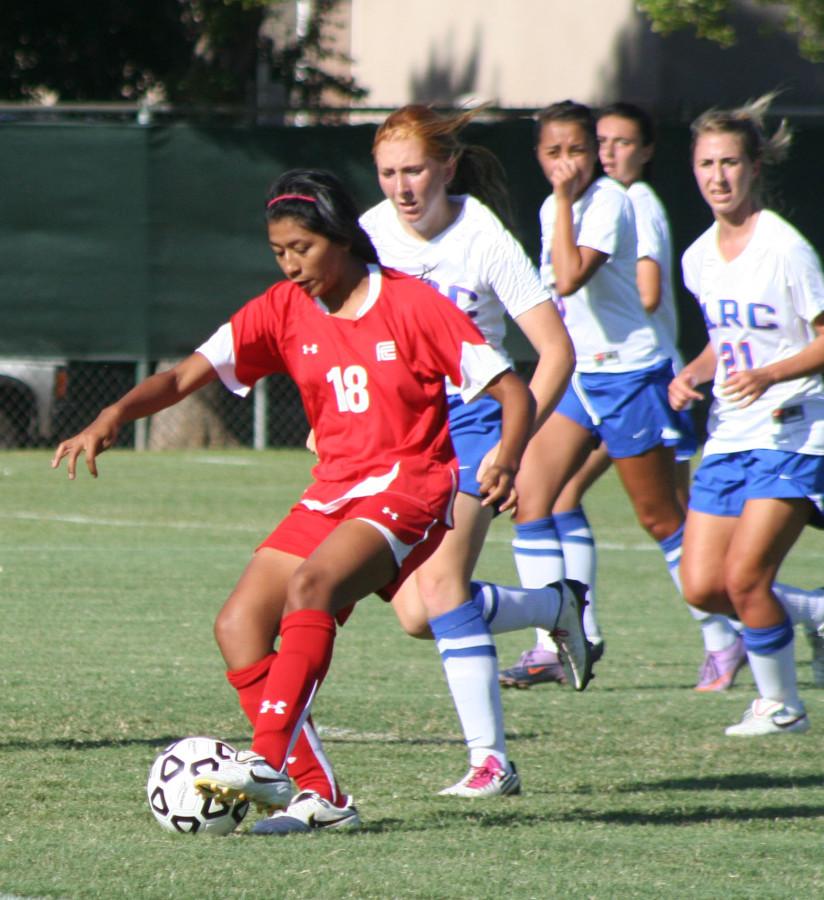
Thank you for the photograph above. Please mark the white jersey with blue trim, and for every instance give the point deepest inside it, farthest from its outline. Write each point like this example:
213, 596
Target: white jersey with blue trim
758, 309
475, 262
605, 319
655, 243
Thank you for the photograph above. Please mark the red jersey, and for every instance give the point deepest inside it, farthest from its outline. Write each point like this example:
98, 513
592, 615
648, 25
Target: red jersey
372, 387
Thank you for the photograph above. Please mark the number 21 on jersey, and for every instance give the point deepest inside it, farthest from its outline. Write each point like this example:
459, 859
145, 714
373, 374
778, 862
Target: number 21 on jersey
350, 388
735, 357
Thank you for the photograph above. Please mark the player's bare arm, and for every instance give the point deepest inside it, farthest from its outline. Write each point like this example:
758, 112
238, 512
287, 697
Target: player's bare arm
157, 392
746, 386
518, 404
648, 278
574, 265
682, 388
545, 330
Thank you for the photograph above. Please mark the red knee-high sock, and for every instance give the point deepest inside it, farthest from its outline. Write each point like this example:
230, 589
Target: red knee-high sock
249, 683
309, 767
308, 764
307, 640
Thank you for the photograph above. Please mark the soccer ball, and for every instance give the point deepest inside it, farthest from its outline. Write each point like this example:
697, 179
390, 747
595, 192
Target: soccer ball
176, 804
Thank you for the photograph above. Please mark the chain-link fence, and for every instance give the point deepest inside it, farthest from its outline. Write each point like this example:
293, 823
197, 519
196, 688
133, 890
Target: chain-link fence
42, 402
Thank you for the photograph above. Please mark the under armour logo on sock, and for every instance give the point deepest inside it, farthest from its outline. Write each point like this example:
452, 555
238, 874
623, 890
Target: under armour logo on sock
278, 707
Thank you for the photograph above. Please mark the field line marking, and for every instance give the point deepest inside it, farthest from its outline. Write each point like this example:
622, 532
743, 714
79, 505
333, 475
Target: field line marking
600, 545
651, 547
73, 519
350, 734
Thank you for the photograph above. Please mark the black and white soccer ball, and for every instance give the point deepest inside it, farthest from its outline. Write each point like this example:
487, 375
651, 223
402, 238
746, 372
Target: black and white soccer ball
176, 804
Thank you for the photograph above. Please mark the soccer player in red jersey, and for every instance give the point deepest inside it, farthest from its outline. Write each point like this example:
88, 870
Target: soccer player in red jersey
369, 349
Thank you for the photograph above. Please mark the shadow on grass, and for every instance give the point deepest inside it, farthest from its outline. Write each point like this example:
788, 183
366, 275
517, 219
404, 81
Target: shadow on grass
433, 741
241, 741
98, 744
449, 819
740, 781
159, 742
700, 815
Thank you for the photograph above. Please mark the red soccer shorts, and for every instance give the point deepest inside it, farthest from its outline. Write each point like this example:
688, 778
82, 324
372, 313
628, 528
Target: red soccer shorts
411, 531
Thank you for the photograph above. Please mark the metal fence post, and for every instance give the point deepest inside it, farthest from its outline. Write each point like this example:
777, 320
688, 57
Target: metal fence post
141, 426
261, 414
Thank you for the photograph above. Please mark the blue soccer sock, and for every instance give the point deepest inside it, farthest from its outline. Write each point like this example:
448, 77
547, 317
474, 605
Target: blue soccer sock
513, 608
539, 560
771, 653
470, 664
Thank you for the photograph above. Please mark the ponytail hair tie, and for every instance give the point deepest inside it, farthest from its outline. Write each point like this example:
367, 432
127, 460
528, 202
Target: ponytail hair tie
280, 197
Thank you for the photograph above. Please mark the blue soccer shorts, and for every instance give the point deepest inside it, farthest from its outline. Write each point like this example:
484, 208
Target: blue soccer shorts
475, 428
628, 411
724, 482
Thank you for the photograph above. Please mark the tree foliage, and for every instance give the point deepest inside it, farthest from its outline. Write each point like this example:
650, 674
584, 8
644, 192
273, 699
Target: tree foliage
189, 51
804, 19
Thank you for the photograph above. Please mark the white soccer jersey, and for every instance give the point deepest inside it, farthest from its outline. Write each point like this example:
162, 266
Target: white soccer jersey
758, 308
608, 325
475, 262
655, 243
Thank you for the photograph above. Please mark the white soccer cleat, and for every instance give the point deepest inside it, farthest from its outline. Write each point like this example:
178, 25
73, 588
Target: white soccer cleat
490, 779
307, 812
247, 777
574, 650
770, 717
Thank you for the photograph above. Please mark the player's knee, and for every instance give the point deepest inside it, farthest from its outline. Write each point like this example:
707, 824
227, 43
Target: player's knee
410, 610
701, 589
532, 507
229, 630
417, 628
309, 587
442, 593
660, 524
746, 587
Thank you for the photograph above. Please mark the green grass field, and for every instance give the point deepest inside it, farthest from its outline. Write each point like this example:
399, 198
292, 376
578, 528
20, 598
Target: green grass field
108, 592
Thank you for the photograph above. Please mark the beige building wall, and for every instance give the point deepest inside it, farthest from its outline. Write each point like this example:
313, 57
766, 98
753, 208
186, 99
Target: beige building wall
513, 53
527, 53
523, 54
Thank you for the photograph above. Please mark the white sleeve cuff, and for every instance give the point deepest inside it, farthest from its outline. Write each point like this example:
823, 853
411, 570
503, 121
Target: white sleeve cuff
480, 364
219, 349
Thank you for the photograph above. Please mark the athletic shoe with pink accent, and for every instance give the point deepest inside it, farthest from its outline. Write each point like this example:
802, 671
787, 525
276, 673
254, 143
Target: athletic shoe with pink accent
721, 666
490, 779
769, 717
536, 666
